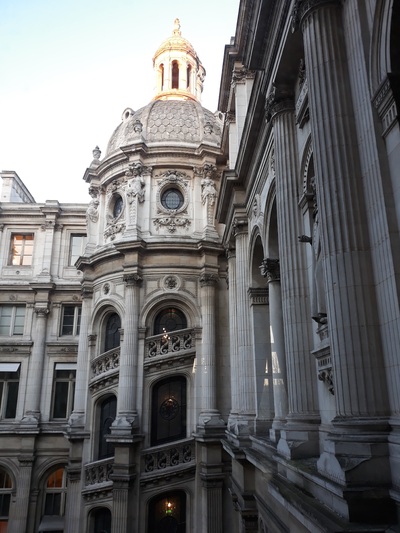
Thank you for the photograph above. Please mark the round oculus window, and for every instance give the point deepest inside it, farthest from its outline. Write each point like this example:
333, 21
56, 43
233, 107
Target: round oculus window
172, 199
118, 205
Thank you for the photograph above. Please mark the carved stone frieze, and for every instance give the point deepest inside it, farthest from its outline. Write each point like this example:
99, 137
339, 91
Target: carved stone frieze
171, 223
113, 230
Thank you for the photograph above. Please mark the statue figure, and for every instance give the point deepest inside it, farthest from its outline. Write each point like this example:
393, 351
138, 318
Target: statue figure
209, 192
92, 211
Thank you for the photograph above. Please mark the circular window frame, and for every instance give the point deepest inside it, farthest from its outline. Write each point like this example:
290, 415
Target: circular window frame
164, 198
175, 182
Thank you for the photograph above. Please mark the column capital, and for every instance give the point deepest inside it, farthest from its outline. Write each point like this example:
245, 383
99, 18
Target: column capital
133, 280
278, 102
86, 292
42, 310
239, 225
270, 269
208, 280
303, 8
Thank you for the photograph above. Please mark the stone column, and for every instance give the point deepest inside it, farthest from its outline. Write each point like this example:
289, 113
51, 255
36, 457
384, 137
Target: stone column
233, 347
242, 423
77, 417
300, 437
127, 416
270, 269
359, 430
73, 503
20, 516
34, 386
209, 414
213, 489
120, 507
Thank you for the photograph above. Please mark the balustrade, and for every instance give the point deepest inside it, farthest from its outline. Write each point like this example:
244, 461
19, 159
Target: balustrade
170, 343
169, 456
99, 472
106, 361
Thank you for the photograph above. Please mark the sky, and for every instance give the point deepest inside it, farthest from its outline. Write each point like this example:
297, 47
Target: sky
69, 68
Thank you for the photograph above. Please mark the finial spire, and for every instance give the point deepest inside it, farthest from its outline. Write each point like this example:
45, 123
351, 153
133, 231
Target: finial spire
177, 27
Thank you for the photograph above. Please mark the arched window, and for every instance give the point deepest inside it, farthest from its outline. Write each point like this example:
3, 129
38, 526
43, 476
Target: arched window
108, 411
55, 495
168, 414
169, 319
162, 76
175, 75
188, 74
5, 498
167, 513
112, 334
100, 520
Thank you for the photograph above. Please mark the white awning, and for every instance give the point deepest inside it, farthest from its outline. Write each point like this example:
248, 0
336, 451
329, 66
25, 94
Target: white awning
52, 523
9, 367
65, 366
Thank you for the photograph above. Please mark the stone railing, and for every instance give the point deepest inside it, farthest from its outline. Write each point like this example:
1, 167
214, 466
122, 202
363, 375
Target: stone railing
164, 457
172, 343
98, 473
105, 362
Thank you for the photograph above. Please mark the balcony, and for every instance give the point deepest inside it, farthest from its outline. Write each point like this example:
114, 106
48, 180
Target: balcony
172, 459
174, 348
105, 369
97, 477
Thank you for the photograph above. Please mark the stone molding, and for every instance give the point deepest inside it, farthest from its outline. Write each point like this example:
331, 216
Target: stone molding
208, 280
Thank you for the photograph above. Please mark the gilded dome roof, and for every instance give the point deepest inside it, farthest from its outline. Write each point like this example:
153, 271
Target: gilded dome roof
164, 122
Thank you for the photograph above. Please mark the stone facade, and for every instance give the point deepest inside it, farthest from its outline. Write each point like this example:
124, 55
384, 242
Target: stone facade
211, 343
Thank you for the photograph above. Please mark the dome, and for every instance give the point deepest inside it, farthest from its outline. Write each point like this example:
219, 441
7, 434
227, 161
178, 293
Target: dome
164, 122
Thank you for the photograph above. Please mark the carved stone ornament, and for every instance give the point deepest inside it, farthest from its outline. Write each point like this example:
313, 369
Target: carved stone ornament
136, 183
42, 311
112, 231
208, 280
92, 212
303, 7
239, 75
239, 225
278, 102
270, 269
133, 279
168, 179
106, 288
208, 191
172, 223
171, 283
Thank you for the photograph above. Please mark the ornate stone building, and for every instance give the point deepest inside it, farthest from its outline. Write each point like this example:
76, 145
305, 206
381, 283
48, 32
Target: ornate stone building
212, 343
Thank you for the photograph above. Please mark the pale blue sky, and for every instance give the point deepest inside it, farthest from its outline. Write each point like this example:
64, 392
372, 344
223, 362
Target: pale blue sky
68, 68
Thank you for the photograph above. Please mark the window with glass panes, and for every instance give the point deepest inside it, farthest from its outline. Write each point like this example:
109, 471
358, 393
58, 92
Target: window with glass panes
77, 247
21, 250
71, 319
63, 390
12, 319
55, 493
5, 498
9, 385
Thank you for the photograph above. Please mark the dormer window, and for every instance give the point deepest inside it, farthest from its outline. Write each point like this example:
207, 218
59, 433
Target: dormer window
175, 75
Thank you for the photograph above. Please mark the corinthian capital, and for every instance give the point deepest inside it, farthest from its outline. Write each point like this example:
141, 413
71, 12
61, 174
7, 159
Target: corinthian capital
278, 101
270, 269
133, 280
208, 280
303, 8
42, 310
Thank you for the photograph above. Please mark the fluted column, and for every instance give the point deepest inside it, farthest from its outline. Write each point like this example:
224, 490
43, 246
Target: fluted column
20, 516
300, 437
73, 503
360, 392
233, 347
209, 414
77, 417
34, 386
213, 523
270, 269
120, 507
243, 422
127, 416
